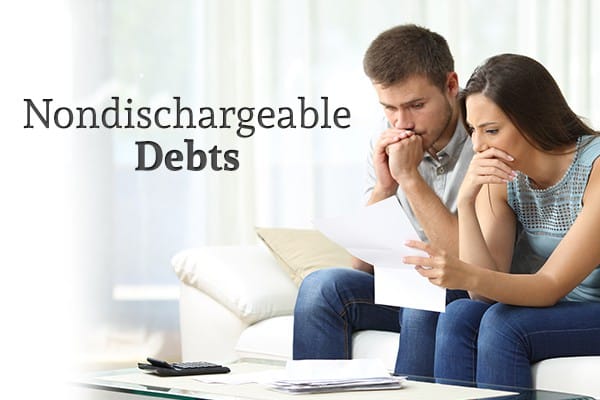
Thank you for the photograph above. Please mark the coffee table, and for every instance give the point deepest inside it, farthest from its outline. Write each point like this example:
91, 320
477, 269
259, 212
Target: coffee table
132, 383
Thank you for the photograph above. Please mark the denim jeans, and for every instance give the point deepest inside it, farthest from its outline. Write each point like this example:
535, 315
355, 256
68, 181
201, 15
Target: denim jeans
496, 344
334, 303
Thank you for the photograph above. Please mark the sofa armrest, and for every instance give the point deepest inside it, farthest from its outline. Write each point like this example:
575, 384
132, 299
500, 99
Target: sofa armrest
209, 331
244, 279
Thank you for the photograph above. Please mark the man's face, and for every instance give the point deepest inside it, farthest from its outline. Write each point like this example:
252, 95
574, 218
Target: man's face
415, 104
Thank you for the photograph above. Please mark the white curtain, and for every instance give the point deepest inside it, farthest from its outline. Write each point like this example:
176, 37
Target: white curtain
256, 53
269, 52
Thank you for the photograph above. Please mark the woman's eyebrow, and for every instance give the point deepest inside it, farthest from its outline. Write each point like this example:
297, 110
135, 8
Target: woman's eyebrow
484, 124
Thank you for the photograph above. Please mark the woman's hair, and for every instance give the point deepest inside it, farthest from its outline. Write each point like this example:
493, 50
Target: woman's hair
405, 51
526, 92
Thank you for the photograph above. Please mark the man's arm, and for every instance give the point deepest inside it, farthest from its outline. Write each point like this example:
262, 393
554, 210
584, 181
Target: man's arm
439, 224
380, 183
377, 194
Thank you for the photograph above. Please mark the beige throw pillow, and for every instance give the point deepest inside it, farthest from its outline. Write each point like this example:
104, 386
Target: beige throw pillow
302, 251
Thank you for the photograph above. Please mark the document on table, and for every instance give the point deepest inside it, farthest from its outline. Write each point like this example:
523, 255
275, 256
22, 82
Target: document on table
326, 376
318, 376
376, 234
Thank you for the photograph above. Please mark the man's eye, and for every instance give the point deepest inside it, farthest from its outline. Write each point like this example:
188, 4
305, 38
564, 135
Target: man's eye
470, 130
418, 105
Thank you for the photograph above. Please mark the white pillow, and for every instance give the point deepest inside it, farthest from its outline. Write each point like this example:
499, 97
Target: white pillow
245, 279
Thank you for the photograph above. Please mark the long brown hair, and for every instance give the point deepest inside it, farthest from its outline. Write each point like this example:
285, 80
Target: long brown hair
528, 94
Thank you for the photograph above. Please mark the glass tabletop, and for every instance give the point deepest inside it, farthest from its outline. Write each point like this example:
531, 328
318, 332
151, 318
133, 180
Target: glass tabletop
138, 384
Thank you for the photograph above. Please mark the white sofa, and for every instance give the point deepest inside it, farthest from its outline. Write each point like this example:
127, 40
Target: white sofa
237, 302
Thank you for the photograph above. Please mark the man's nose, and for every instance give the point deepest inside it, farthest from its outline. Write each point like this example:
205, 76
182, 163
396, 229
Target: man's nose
403, 120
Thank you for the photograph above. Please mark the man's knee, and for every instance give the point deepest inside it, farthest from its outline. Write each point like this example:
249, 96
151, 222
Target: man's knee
411, 317
322, 287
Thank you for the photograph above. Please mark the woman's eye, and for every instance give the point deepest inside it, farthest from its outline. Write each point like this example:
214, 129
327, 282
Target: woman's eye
491, 131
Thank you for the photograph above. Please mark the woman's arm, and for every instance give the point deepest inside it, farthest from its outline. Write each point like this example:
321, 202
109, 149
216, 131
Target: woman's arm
486, 222
487, 232
573, 259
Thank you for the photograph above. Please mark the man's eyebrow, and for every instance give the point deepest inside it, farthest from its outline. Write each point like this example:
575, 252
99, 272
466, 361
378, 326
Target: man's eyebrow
406, 103
417, 100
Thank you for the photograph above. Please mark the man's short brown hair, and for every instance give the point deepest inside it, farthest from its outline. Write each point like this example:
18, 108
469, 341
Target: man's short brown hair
405, 51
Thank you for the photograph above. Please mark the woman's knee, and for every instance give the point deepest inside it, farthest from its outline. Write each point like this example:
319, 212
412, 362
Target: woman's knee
462, 318
502, 326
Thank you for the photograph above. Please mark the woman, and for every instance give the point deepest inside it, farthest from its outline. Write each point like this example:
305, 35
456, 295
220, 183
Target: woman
535, 166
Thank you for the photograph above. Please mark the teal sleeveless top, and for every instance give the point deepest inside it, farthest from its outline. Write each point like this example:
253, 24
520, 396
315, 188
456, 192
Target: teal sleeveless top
547, 214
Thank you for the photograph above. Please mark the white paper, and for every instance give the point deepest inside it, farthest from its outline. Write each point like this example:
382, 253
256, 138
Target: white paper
311, 370
316, 376
376, 234
264, 377
325, 376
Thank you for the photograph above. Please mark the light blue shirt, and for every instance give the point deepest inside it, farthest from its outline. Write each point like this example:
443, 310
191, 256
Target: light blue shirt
548, 214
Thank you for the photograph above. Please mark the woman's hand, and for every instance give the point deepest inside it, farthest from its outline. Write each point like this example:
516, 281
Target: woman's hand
489, 166
440, 268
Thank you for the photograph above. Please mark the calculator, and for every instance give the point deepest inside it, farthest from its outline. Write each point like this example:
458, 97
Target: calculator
164, 368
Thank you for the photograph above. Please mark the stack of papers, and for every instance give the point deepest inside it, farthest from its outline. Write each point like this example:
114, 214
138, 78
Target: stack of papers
338, 385
324, 376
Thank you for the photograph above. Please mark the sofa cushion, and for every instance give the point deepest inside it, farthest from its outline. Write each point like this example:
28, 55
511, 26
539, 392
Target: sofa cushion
568, 374
380, 344
270, 339
246, 280
302, 251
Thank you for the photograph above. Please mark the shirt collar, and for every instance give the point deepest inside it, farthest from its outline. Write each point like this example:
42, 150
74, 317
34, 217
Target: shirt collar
454, 147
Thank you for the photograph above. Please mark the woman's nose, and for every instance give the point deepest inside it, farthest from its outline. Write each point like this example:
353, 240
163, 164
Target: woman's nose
478, 144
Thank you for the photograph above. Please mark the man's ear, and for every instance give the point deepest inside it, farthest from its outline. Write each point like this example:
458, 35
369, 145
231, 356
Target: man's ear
452, 84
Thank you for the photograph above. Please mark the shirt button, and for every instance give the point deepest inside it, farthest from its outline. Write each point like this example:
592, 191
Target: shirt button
441, 170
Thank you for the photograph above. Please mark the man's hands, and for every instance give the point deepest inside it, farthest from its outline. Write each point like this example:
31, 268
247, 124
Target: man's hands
396, 156
405, 156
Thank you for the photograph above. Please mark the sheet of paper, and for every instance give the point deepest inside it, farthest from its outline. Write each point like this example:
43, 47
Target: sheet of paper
263, 377
305, 371
313, 370
325, 376
376, 234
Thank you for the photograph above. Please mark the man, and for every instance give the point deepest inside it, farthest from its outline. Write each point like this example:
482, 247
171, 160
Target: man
421, 158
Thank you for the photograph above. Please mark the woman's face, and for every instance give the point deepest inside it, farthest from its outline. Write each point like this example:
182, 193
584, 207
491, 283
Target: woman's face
491, 127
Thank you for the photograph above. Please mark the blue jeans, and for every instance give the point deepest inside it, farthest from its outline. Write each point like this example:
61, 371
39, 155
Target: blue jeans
334, 303
496, 344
